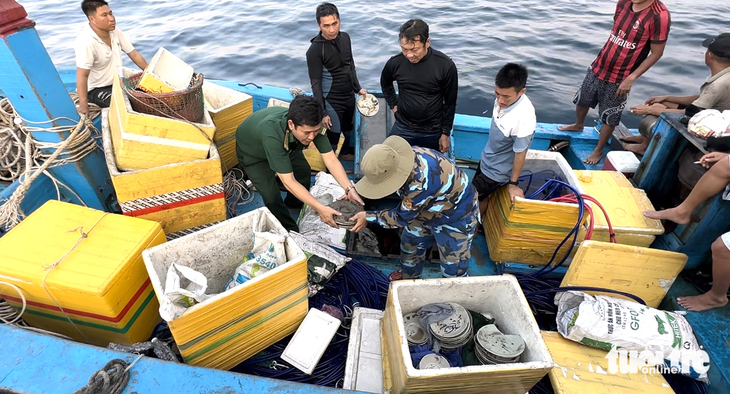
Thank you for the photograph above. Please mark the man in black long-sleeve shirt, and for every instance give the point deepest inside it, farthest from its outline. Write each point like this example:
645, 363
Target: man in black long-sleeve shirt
332, 74
427, 86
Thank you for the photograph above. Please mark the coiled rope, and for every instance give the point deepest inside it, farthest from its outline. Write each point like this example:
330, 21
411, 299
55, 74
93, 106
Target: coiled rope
237, 192
24, 159
111, 379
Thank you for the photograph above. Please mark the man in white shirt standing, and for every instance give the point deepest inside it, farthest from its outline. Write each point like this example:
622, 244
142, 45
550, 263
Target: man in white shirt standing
98, 50
513, 126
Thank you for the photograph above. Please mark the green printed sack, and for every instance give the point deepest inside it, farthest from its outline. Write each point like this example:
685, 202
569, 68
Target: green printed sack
612, 323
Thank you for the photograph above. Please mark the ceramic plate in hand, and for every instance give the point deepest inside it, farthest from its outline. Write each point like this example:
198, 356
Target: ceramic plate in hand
368, 105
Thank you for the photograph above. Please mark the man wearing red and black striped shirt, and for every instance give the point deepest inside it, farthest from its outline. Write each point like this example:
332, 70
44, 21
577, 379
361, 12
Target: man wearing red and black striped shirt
637, 41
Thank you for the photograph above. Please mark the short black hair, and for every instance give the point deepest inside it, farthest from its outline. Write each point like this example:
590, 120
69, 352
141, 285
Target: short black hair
720, 59
305, 111
89, 6
414, 30
327, 9
512, 75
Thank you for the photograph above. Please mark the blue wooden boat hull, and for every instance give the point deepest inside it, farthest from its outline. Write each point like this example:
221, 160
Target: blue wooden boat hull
66, 365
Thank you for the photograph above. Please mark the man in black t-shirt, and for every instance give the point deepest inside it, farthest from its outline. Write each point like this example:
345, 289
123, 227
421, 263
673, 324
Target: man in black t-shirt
427, 87
332, 75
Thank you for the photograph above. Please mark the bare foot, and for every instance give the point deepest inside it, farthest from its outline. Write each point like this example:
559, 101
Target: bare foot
702, 302
634, 139
571, 127
594, 158
677, 215
639, 149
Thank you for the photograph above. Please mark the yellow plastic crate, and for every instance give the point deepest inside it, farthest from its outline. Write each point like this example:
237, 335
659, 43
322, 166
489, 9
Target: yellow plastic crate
236, 324
81, 273
182, 197
625, 205
311, 153
143, 141
581, 369
228, 108
528, 231
499, 295
643, 272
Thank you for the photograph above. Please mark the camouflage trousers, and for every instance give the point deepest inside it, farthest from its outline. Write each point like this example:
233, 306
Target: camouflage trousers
452, 239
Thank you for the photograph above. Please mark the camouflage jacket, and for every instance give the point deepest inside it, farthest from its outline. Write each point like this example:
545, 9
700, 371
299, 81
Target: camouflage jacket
437, 192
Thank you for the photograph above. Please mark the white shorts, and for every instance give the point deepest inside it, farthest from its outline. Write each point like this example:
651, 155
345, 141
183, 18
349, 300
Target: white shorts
726, 239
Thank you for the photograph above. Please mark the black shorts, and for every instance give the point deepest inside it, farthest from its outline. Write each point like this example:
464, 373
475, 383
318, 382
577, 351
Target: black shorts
101, 96
594, 91
484, 185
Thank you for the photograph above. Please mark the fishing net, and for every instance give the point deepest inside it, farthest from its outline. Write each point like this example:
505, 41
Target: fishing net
184, 104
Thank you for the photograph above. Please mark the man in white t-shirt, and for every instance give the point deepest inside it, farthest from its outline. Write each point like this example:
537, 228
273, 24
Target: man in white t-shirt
98, 50
513, 126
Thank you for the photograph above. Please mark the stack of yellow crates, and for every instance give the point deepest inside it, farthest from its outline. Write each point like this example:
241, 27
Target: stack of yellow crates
182, 197
228, 108
81, 273
529, 231
624, 204
233, 324
143, 141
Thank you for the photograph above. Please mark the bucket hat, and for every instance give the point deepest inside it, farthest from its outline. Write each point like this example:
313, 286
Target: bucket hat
385, 168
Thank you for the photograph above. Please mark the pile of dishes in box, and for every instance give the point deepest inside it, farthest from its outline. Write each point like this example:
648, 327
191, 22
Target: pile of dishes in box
446, 335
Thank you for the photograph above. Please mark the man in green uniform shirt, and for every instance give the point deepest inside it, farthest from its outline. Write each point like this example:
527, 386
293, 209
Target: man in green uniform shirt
269, 143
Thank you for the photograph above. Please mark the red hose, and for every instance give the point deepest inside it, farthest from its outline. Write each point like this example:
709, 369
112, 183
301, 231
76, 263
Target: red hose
589, 232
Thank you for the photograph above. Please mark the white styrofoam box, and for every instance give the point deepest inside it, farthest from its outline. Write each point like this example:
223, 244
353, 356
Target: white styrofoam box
170, 70
364, 367
233, 324
540, 160
502, 297
623, 161
310, 341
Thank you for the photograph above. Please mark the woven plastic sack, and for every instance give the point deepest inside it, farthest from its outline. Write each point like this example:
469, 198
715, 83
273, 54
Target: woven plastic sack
268, 253
710, 123
326, 190
187, 104
607, 323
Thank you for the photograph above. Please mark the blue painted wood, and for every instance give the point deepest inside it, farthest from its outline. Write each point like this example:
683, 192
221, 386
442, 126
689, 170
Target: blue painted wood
657, 172
40, 191
697, 238
31, 82
40, 363
526, 269
712, 329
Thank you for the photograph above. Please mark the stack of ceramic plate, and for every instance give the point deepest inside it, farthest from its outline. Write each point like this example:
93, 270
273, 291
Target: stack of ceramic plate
433, 361
415, 333
493, 347
454, 331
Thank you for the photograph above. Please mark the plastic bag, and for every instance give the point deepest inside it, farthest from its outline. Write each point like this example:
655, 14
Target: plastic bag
268, 253
326, 190
710, 123
322, 262
607, 323
184, 287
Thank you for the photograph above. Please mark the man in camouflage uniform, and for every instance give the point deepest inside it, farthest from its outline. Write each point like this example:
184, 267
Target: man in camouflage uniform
438, 204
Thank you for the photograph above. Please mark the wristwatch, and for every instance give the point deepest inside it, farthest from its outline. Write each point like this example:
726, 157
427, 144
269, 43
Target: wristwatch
348, 188
514, 183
